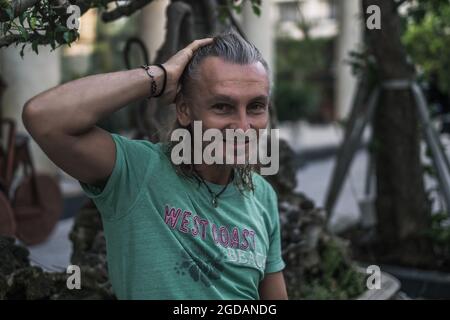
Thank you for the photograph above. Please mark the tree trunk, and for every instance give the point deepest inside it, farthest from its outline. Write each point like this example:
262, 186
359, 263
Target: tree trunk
402, 209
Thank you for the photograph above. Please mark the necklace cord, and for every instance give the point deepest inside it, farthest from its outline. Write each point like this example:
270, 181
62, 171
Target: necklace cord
213, 194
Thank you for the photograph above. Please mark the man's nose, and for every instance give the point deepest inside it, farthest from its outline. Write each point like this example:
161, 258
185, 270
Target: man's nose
242, 121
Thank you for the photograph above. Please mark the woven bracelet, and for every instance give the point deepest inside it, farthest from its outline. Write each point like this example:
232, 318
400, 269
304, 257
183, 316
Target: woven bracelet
153, 86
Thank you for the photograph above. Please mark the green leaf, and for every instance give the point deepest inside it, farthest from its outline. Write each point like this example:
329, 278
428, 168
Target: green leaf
256, 10
222, 18
32, 23
61, 28
23, 33
22, 18
34, 46
50, 34
21, 50
67, 36
10, 13
6, 27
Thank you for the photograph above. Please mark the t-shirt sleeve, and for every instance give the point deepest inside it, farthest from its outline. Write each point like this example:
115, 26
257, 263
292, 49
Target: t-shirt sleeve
274, 262
117, 196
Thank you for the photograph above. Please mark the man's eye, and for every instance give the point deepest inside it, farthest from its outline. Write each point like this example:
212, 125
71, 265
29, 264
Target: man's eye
221, 107
257, 107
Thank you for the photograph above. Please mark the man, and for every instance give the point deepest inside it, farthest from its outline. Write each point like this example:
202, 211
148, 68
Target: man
191, 231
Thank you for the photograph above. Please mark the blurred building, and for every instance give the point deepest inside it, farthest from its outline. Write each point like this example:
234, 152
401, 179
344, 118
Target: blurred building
298, 19
320, 15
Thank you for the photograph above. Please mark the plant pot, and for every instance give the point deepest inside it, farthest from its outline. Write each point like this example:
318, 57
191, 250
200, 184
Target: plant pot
419, 284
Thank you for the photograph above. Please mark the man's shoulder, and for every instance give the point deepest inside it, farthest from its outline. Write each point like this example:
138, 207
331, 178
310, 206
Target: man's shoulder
141, 157
267, 198
137, 151
136, 144
263, 189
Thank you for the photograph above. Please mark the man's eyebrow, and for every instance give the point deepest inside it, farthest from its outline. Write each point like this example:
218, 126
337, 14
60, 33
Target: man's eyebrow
222, 98
261, 98
230, 100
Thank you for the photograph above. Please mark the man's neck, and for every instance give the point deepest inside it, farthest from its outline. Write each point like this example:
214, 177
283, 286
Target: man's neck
218, 174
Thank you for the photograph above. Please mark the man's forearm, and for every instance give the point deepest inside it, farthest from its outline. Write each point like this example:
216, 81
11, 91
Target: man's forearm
76, 106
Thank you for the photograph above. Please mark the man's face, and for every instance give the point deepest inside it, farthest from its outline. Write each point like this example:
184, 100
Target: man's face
229, 96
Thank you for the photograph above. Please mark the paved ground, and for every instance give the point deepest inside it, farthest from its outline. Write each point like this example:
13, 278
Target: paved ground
313, 180
54, 254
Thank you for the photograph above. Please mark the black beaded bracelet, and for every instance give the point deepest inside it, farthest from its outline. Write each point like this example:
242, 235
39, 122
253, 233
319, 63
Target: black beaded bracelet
164, 81
153, 86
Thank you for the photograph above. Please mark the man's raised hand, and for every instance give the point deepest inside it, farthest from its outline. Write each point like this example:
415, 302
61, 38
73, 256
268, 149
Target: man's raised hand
176, 65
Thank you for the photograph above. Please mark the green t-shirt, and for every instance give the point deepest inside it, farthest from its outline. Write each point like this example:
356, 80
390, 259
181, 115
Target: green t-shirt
165, 240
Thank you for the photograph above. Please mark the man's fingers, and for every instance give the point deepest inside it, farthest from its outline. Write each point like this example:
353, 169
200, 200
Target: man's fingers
190, 49
199, 43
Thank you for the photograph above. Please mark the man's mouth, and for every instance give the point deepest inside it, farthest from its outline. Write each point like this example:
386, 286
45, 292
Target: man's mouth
246, 140
237, 144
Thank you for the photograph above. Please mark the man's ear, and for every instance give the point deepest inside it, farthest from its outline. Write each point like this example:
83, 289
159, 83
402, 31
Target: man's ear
183, 111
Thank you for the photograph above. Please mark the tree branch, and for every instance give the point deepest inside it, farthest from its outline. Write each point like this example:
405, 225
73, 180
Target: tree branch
18, 6
126, 10
84, 5
398, 3
17, 38
235, 23
9, 39
60, 7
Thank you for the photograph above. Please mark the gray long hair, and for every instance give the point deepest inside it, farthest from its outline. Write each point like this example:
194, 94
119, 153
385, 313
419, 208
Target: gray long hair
229, 46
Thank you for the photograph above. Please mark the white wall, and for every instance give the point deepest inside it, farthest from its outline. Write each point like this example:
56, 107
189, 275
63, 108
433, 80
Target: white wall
152, 21
260, 29
26, 78
349, 37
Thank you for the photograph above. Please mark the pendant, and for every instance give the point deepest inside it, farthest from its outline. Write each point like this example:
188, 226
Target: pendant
214, 202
